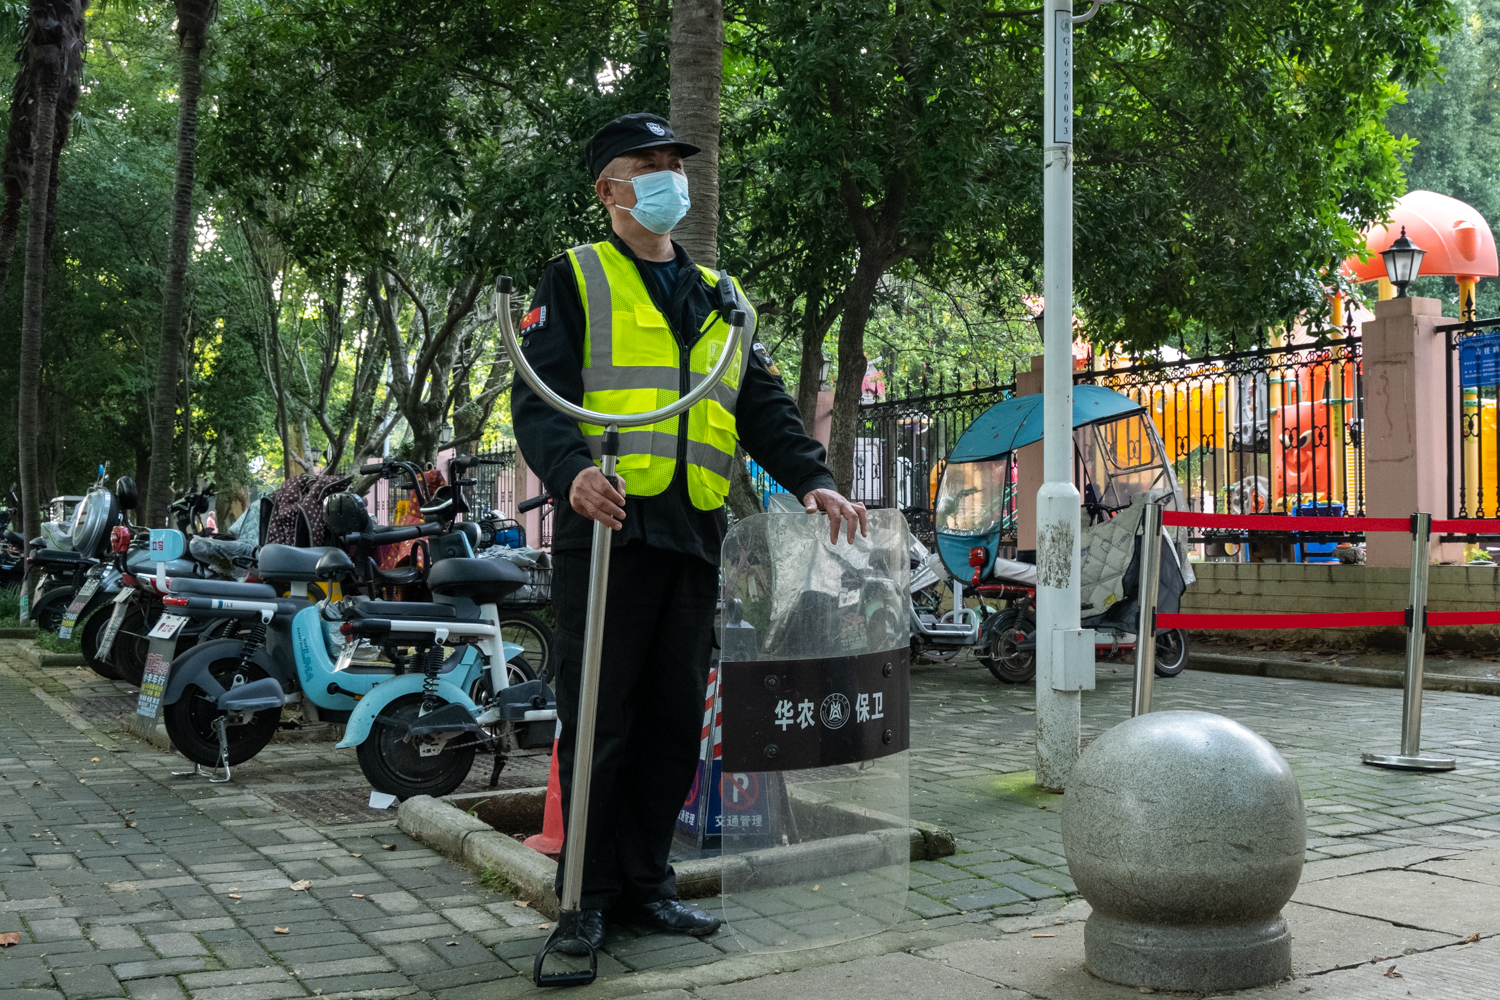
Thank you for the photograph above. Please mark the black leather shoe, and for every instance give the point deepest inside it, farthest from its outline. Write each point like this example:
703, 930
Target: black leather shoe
676, 917
590, 927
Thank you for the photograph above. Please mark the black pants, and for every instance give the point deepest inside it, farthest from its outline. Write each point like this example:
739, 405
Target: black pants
657, 635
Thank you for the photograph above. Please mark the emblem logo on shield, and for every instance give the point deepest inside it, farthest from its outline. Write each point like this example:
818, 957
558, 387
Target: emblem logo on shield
835, 711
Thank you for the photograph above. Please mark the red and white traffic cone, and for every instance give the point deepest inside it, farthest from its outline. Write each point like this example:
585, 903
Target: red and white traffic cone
550, 840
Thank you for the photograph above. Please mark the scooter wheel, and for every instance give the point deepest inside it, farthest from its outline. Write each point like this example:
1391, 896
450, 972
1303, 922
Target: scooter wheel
1171, 652
1009, 664
88, 641
190, 721
394, 765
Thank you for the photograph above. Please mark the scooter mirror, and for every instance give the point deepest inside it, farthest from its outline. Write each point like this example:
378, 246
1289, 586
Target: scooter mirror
125, 492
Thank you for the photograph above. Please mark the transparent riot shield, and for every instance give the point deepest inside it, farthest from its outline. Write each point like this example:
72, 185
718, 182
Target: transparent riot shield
815, 678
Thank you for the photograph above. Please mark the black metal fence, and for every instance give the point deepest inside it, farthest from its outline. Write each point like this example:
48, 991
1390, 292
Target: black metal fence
1268, 430
1473, 442
496, 491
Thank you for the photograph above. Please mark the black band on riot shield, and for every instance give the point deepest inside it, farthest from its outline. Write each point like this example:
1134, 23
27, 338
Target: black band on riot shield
787, 715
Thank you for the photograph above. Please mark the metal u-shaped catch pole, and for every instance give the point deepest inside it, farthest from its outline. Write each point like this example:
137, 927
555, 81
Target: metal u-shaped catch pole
576, 836
1145, 633
1410, 757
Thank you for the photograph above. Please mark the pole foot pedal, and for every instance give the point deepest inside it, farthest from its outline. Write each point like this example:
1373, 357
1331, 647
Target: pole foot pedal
566, 933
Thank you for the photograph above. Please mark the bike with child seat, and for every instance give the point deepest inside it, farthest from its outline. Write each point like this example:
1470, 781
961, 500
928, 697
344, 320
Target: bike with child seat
448, 684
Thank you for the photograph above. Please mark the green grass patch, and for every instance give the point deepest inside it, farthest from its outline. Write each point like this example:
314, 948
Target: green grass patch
499, 882
10, 606
49, 642
1021, 786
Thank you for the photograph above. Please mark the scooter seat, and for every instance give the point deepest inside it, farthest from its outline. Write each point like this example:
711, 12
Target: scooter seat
226, 589
288, 564
56, 557
404, 609
14, 537
484, 581
140, 563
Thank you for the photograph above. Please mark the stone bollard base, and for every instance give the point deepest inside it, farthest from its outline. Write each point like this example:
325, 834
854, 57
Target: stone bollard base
1188, 959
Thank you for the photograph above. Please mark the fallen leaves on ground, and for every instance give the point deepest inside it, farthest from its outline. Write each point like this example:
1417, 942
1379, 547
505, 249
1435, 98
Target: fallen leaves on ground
387, 847
300, 885
9, 938
452, 944
1472, 938
1391, 973
356, 855
235, 895
357, 895
523, 902
282, 930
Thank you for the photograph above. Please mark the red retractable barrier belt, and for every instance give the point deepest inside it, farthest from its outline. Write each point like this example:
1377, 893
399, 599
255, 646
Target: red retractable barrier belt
1468, 526
1347, 619
1279, 522
1463, 618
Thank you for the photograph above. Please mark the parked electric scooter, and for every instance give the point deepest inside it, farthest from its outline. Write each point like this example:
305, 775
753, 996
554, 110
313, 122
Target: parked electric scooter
416, 719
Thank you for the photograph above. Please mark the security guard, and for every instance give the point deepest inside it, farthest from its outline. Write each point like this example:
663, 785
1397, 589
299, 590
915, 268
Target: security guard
624, 326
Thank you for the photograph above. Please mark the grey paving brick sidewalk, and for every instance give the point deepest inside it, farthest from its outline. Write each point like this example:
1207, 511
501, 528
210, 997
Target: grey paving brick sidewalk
124, 881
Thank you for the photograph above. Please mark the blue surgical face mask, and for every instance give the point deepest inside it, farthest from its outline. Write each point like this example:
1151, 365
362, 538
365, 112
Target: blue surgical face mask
661, 199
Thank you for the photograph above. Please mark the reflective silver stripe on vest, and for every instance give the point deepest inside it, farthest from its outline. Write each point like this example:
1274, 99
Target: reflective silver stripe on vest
706, 456
640, 442
601, 313
643, 377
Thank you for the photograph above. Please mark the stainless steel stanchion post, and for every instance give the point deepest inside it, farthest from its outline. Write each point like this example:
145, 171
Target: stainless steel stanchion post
593, 635
1145, 633
1411, 757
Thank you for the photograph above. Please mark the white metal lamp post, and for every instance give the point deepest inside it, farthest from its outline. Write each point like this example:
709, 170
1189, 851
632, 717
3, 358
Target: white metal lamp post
1065, 652
1403, 262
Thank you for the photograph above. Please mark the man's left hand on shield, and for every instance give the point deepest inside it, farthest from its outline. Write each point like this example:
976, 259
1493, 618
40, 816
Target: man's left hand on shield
838, 510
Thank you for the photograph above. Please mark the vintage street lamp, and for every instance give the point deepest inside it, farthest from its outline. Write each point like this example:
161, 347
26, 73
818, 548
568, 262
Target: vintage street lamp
1403, 262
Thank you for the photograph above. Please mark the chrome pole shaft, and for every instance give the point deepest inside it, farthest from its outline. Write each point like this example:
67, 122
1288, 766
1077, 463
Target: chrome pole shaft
588, 695
1416, 640
1145, 632
1410, 757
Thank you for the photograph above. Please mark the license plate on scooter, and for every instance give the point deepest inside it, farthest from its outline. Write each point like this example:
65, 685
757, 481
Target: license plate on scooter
166, 626
107, 640
80, 601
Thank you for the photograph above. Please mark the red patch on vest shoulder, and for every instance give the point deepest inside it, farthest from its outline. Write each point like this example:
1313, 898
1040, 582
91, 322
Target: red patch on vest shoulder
534, 320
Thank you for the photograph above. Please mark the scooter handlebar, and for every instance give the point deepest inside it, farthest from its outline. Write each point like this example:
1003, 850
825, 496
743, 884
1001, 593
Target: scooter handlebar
372, 470
393, 535
533, 503
503, 288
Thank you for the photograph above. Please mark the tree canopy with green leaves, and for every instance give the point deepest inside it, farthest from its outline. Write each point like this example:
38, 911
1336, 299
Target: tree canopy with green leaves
365, 169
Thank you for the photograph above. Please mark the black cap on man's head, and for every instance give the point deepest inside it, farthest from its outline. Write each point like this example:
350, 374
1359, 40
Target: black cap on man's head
629, 133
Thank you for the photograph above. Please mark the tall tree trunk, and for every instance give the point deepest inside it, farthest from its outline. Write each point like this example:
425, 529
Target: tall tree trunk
851, 369
697, 62
46, 57
15, 169
192, 30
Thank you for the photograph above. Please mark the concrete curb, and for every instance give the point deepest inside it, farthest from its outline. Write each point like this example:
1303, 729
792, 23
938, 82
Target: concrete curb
17, 633
44, 659
1256, 666
445, 826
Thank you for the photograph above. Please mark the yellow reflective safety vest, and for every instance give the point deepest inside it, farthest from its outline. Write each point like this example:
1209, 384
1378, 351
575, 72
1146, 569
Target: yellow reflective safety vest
633, 364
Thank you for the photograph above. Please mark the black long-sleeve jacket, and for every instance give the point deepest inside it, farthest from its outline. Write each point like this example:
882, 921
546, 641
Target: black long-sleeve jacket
769, 426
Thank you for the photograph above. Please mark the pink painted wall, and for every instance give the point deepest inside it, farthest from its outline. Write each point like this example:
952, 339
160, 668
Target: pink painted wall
1406, 434
1029, 474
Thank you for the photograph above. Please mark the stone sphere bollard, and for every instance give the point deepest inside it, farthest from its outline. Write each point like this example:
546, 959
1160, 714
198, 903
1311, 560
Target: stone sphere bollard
1185, 832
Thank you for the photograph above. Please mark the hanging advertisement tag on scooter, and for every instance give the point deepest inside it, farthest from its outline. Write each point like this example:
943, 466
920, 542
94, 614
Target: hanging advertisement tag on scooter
153, 686
80, 601
112, 629
166, 626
